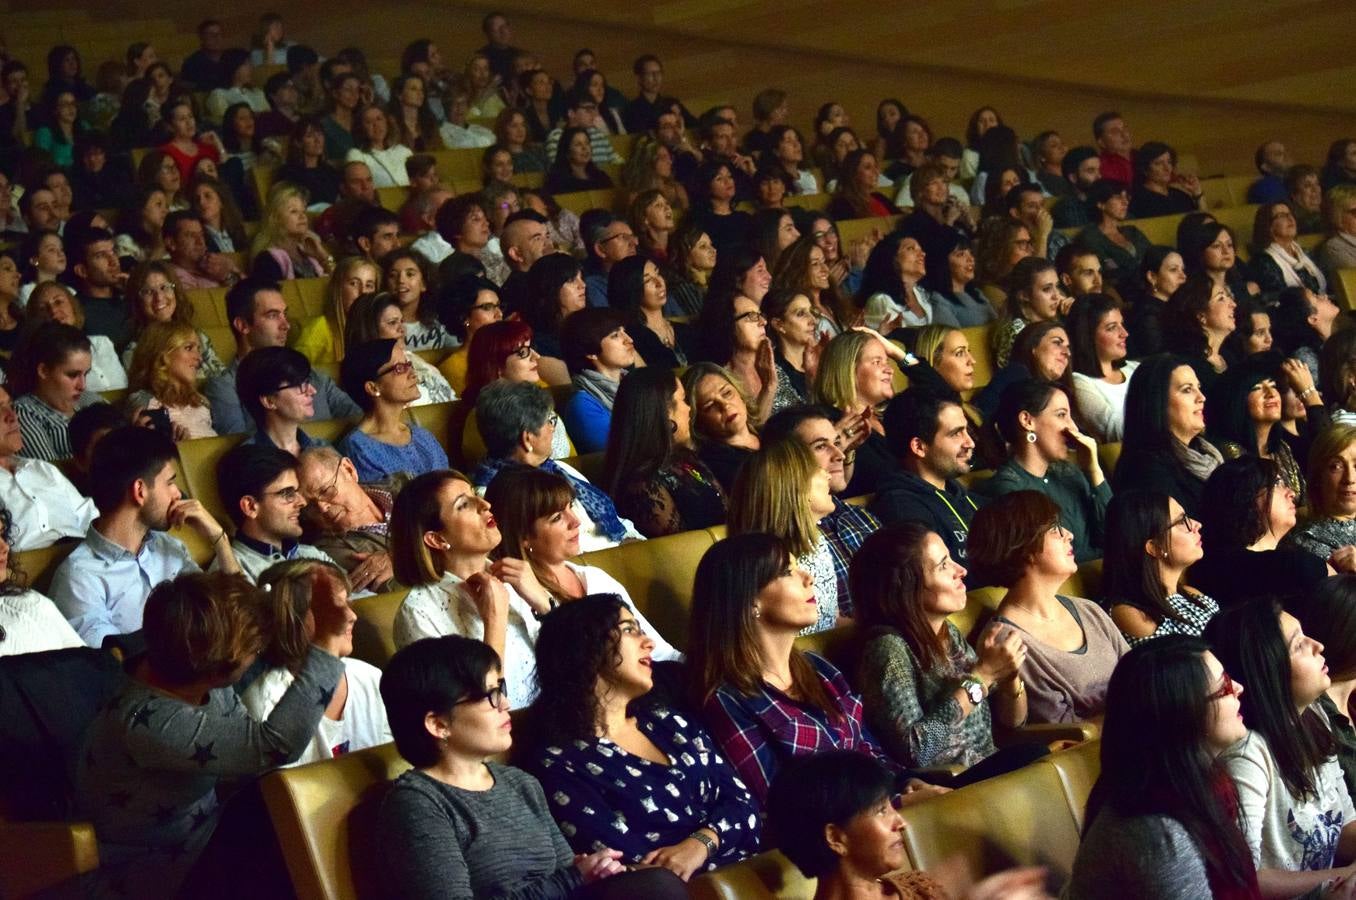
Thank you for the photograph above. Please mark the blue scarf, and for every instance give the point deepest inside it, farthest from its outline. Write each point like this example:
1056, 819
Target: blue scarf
596, 503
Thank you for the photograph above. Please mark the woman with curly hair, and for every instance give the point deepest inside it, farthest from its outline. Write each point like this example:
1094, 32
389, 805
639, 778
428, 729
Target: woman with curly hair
650, 167
619, 766
165, 376
29, 621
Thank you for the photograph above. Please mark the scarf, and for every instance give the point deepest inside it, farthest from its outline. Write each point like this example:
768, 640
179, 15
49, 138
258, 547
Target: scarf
1200, 458
597, 504
1289, 266
598, 386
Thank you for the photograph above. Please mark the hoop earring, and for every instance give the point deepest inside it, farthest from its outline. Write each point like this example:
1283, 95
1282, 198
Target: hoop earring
1031, 437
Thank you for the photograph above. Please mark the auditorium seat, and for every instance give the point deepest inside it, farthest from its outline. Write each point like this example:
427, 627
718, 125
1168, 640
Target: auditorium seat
1344, 292
392, 198
1108, 455
373, 632
37, 566
209, 306
980, 339
305, 297
1077, 769
767, 876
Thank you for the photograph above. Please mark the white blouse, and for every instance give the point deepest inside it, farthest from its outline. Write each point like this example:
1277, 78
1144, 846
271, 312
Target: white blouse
106, 372
1102, 404
31, 623
387, 166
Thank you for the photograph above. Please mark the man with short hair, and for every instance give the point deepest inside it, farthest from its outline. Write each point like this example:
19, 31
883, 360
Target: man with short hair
303, 64
1080, 270
1082, 168
258, 486
848, 526
609, 240
642, 113
669, 130
59, 183
1272, 161
185, 241
499, 47
38, 207
348, 520
98, 280
581, 111
203, 68
524, 240
357, 191
375, 232
930, 437
1026, 204
1114, 147
101, 588
285, 107
423, 208
258, 315
43, 505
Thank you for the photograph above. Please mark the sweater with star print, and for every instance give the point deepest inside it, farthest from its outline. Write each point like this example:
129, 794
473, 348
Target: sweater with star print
152, 764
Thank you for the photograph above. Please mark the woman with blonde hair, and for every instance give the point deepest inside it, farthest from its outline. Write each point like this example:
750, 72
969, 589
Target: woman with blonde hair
355, 717
285, 247
650, 167
154, 297
856, 377
783, 491
165, 376
721, 420
1329, 530
1338, 251
322, 337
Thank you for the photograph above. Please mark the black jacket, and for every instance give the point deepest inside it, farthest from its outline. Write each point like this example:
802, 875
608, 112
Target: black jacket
905, 497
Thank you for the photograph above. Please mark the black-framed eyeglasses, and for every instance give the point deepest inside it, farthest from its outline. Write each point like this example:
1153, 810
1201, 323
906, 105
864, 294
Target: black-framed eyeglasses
497, 695
1185, 521
485, 307
1226, 689
751, 316
523, 352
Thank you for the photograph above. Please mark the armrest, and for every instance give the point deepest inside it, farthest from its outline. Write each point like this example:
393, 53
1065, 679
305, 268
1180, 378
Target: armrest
1048, 732
945, 772
38, 856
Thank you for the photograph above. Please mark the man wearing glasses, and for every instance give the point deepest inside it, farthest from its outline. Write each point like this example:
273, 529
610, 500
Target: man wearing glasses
609, 241
349, 519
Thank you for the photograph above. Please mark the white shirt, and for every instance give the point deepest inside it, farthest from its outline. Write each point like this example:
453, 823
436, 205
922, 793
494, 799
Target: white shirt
105, 372
880, 307
433, 246
807, 183
1102, 404
387, 166
45, 506
905, 198
458, 137
31, 623
363, 723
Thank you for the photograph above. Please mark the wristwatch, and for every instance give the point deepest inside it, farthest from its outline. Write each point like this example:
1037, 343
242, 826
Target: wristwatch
551, 604
974, 689
705, 840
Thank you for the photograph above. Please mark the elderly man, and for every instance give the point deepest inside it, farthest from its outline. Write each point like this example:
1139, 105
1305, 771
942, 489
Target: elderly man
347, 519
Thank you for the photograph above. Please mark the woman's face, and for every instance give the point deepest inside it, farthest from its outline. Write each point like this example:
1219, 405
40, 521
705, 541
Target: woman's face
208, 203
184, 359
157, 298
910, 261
1283, 227
663, 162
67, 110
1183, 544
478, 728
478, 69
756, 281
466, 524
182, 122
1338, 487
873, 375
1308, 194
1116, 207
1308, 669
1050, 426
206, 168
1260, 339
361, 279
147, 58
616, 351
486, 309
554, 537
1219, 256
942, 591
242, 122
515, 130
867, 174
1159, 170
1020, 247
1264, 402
986, 119
597, 87
51, 257
797, 325
397, 379
1186, 404
1056, 556
412, 93
818, 269
1110, 337
955, 363
1219, 313
826, 239
630, 674
915, 137
374, 126
70, 66
581, 151
1008, 180
501, 166
721, 413
1282, 514
572, 295
789, 150
404, 279
154, 212
722, 185
961, 262
680, 417
1170, 276
787, 601
167, 177
749, 325
659, 215
702, 256
9, 279
654, 292
1224, 725
349, 94
54, 304
161, 80
60, 386
391, 324
933, 192
787, 233
1041, 302
771, 192
1051, 355
522, 365
846, 143
296, 403
889, 116
294, 217
540, 88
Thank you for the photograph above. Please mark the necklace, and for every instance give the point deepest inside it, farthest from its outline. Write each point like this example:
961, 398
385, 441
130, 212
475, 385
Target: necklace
1038, 616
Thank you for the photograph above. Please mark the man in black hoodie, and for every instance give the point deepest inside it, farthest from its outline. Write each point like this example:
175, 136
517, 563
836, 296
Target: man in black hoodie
928, 435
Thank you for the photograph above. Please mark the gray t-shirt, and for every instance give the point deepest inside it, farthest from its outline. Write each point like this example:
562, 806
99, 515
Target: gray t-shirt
1134, 857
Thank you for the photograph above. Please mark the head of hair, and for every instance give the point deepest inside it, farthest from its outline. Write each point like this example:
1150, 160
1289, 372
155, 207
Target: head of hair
490, 348
88, 422
1248, 640
771, 495
48, 344
1290, 326
507, 409
582, 334
1022, 279
783, 424
913, 413
520, 496
127, 454
266, 371
1328, 615
1236, 503
1327, 448
246, 470
431, 676
640, 441
544, 281
1337, 367
1130, 575
202, 626
364, 317
836, 381
1146, 405
1084, 319
361, 364
886, 579
415, 512
1024, 396
578, 646
1336, 200
456, 299
881, 273
427, 314
1008, 532
150, 369
287, 588
1226, 408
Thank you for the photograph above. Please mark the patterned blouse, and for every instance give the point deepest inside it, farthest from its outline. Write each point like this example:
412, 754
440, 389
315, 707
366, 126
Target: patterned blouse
913, 710
1322, 536
1194, 613
819, 563
682, 496
602, 796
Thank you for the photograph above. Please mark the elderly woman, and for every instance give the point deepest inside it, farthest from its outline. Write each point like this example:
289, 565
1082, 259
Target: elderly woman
1328, 532
376, 317
517, 422
1071, 645
381, 380
653, 473
598, 352
1278, 261
1338, 251
285, 247
165, 377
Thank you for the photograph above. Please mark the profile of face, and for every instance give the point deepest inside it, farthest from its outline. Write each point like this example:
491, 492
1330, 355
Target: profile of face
1224, 724
1338, 486
954, 361
748, 325
477, 726
9, 280
167, 177
826, 444
1259, 341
788, 601
941, 591
819, 494
1186, 404
51, 256
554, 537
1308, 669
1051, 354
1170, 276
680, 417
1218, 317
867, 175
949, 454
573, 295
721, 414
1110, 337
1181, 546
295, 403
630, 671
910, 261
1050, 427
1020, 246
161, 492
1283, 225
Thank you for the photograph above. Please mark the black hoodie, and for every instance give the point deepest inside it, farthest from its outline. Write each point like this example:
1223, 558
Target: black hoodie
905, 497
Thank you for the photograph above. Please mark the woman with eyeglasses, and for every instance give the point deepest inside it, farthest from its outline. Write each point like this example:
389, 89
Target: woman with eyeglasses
465, 305
380, 317
1247, 509
502, 351
382, 381
1294, 807
153, 297
619, 765
460, 823
1072, 646
1150, 544
1163, 816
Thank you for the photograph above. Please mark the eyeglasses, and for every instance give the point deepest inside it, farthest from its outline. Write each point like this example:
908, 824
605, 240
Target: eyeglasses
399, 368
497, 695
1185, 521
751, 316
1226, 689
331, 490
624, 235
150, 291
523, 352
485, 307
286, 495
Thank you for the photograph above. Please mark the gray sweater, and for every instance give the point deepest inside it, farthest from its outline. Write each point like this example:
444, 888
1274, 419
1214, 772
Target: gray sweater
1135, 858
439, 841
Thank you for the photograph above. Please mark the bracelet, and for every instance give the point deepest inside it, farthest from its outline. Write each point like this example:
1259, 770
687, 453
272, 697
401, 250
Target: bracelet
705, 840
551, 604
1307, 391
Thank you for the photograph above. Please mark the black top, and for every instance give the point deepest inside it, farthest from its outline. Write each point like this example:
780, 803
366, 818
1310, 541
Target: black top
1145, 204
653, 351
682, 496
1145, 324
874, 462
321, 183
723, 460
566, 183
1160, 471
727, 232
108, 317
1235, 576
204, 73
642, 115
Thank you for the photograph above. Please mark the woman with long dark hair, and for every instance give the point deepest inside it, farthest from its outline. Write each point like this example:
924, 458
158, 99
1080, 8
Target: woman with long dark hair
1161, 272
1328, 615
1101, 372
573, 169
1162, 818
1244, 411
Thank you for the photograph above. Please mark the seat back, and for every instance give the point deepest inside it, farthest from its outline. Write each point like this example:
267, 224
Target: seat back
38, 566
837, 645
1346, 283
324, 814
1077, 769
1108, 455
198, 461
658, 574
767, 876
374, 632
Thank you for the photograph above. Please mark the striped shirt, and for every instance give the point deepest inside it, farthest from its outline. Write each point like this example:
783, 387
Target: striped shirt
44, 428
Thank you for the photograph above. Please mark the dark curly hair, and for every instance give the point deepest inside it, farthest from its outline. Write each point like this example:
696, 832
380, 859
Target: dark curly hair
15, 578
578, 644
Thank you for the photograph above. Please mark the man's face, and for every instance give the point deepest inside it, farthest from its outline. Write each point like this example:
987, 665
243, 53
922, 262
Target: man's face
723, 140
583, 115
617, 243
948, 456
498, 31
188, 245
275, 514
669, 129
332, 492
358, 183
1084, 275
1029, 210
527, 241
426, 182
43, 213
60, 186
651, 77
100, 268
826, 444
385, 239
1115, 138
1275, 158
268, 326
160, 494
211, 38
1089, 172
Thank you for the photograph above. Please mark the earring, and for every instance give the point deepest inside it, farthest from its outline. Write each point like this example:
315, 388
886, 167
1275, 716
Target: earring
1031, 437
757, 613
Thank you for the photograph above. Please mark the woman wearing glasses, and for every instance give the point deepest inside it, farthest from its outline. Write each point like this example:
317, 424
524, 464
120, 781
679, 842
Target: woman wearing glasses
464, 307
1150, 544
153, 296
460, 824
376, 317
502, 351
382, 381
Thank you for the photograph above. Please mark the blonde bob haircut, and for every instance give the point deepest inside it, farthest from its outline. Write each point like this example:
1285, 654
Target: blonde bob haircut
202, 626
150, 364
927, 346
772, 495
693, 375
1329, 445
273, 230
836, 383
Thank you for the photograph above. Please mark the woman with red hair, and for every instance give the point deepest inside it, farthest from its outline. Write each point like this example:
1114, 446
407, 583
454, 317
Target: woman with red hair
502, 350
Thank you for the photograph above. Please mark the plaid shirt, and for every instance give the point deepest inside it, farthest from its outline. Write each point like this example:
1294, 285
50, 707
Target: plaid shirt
757, 731
846, 528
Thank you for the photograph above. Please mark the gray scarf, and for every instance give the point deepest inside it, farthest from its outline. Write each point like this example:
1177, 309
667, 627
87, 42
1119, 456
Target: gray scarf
1199, 458
598, 386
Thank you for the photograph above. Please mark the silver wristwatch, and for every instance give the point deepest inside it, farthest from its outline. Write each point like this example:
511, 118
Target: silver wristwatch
974, 689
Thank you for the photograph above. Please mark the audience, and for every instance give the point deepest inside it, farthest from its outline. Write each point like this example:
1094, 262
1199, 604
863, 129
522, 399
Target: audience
1326, 616
381, 380
47, 377
1327, 530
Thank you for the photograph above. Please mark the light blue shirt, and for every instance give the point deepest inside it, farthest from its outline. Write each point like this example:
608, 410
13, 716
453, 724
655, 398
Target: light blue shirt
101, 588
377, 461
